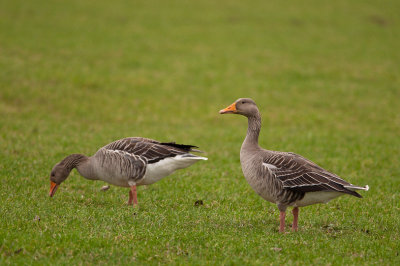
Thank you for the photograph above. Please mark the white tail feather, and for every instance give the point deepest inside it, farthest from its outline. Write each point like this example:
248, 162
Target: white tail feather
193, 157
353, 188
198, 158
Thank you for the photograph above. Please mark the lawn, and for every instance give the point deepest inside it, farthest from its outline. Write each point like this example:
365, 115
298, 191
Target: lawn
76, 75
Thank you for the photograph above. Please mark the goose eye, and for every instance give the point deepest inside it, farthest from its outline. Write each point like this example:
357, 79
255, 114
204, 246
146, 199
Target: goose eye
242, 102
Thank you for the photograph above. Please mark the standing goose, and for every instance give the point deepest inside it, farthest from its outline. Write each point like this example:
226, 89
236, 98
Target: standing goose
127, 162
284, 178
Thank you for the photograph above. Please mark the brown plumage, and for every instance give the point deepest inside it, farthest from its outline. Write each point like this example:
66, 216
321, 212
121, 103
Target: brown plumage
284, 178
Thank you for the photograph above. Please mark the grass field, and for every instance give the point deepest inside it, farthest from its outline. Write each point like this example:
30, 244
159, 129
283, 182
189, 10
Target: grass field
76, 75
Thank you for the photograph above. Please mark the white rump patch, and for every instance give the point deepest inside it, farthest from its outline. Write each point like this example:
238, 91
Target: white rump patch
165, 167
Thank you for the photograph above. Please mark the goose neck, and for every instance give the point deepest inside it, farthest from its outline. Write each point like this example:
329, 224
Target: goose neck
86, 168
253, 130
73, 161
78, 161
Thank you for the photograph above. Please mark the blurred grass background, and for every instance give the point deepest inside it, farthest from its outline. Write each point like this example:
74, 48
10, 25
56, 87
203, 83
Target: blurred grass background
76, 75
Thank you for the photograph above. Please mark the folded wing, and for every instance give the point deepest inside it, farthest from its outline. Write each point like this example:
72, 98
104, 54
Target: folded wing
300, 174
151, 150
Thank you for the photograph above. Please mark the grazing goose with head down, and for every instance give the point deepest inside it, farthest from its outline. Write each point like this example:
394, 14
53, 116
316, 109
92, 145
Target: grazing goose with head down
127, 162
284, 178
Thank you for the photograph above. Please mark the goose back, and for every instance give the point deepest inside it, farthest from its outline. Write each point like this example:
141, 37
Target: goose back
132, 160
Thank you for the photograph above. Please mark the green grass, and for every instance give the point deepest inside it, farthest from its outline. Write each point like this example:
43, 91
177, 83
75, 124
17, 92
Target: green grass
76, 75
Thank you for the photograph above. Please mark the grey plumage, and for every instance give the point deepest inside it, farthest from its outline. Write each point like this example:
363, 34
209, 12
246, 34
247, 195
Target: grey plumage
284, 178
127, 162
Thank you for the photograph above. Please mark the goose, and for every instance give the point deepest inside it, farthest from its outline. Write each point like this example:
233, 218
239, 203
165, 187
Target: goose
284, 178
127, 162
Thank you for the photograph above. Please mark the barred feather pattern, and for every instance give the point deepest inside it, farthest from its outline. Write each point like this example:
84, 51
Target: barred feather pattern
71, 161
121, 163
300, 175
129, 157
152, 150
265, 184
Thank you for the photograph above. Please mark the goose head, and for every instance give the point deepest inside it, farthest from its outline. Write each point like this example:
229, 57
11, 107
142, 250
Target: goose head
59, 173
242, 106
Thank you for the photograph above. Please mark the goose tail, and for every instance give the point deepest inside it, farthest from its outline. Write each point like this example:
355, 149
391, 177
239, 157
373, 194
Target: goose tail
354, 188
194, 157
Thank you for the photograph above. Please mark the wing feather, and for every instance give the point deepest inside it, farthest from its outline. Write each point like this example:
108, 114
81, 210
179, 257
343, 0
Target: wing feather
300, 174
152, 150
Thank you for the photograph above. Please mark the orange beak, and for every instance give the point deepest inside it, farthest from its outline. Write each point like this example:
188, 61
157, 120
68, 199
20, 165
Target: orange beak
231, 109
53, 188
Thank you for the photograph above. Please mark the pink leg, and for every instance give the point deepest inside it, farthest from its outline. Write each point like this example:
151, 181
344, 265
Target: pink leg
130, 198
282, 222
134, 195
295, 218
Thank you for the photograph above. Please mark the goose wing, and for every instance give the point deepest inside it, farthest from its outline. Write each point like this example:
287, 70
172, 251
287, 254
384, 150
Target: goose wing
150, 150
300, 174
